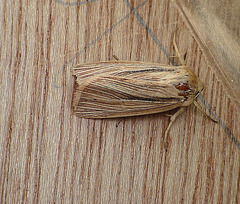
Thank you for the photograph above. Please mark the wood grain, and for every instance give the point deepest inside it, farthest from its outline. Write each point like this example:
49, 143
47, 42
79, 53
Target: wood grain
48, 155
217, 32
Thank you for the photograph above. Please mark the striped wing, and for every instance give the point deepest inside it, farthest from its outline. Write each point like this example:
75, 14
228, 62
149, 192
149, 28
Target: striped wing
121, 89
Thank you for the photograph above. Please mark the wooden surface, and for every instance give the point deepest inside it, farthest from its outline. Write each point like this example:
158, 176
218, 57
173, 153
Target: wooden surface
48, 155
215, 27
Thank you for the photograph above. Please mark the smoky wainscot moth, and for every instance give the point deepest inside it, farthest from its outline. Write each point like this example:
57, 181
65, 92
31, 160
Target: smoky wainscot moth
115, 89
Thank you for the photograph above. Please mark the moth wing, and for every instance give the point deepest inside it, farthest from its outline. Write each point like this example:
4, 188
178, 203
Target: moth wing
121, 89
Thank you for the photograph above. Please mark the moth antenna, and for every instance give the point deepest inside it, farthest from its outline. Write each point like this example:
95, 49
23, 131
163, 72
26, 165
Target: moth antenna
172, 119
200, 108
183, 63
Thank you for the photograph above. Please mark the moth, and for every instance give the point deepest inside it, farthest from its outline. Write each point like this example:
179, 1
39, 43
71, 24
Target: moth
115, 89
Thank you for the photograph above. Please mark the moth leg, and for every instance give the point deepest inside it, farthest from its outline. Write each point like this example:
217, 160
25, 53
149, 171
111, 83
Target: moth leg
168, 115
172, 119
115, 57
177, 51
200, 108
119, 121
172, 56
